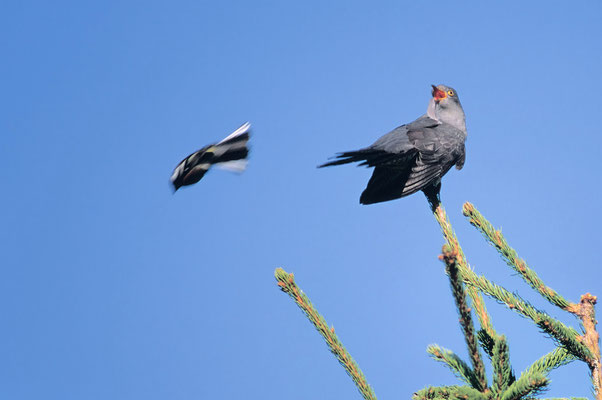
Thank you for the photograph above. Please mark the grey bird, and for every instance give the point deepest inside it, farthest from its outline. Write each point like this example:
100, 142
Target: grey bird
230, 153
414, 156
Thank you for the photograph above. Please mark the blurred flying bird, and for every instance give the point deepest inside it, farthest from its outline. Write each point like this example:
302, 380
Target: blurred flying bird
231, 154
414, 156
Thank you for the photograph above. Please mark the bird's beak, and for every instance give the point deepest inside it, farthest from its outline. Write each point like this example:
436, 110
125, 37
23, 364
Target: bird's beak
438, 94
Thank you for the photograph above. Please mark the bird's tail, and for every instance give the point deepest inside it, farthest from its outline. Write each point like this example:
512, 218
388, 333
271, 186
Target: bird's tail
232, 152
369, 157
345, 158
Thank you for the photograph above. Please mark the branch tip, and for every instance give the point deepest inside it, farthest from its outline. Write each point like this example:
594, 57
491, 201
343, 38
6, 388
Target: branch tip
286, 283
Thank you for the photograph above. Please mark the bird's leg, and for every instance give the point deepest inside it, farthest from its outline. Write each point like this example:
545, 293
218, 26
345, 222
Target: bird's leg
432, 194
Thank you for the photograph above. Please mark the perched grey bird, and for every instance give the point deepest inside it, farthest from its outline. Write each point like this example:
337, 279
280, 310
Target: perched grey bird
231, 153
414, 156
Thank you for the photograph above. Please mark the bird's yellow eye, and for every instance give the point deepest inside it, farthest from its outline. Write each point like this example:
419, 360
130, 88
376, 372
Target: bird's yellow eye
450, 92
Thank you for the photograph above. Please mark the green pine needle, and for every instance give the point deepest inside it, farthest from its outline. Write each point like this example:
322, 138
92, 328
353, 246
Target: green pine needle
287, 284
502, 370
554, 359
449, 393
455, 363
526, 385
497, 240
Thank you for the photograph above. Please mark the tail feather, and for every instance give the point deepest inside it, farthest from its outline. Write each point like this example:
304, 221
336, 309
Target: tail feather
346, 158
370, 158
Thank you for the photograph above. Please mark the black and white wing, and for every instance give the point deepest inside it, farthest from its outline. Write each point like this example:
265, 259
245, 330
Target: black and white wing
230, 153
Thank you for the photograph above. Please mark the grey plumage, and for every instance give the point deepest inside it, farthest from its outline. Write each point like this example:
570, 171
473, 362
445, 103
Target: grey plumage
230, 153
414, 156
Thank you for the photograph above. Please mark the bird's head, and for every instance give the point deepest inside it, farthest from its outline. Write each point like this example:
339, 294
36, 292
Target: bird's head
445, 106
444, 95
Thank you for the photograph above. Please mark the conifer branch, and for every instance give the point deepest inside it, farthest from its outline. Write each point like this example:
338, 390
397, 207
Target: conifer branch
497, 240
527, 385
586, 312
449, 256
502, 370
476, 298
287, 284
554, 359
563, 334
487, 342
566, 398
450, 393
455, 363
566, 336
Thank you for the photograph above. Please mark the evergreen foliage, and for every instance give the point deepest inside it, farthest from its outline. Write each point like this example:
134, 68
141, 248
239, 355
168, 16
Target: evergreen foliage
467, 289
287, 284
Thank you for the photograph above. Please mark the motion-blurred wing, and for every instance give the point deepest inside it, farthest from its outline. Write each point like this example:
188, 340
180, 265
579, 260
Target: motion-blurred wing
230, 153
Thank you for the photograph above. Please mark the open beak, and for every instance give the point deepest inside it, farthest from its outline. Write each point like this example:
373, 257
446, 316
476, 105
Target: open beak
438, 94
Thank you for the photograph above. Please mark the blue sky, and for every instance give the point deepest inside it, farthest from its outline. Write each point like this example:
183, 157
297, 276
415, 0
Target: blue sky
113, 287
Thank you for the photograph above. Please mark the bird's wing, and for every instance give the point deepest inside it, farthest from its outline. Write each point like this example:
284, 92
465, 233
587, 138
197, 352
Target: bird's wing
202, 156
199, 160
461, 157
400, 171
229, 153
432, 160
451, 145
439, 148
421, 176
398, 140
234, 166
233, 147
386, 184
240, 133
